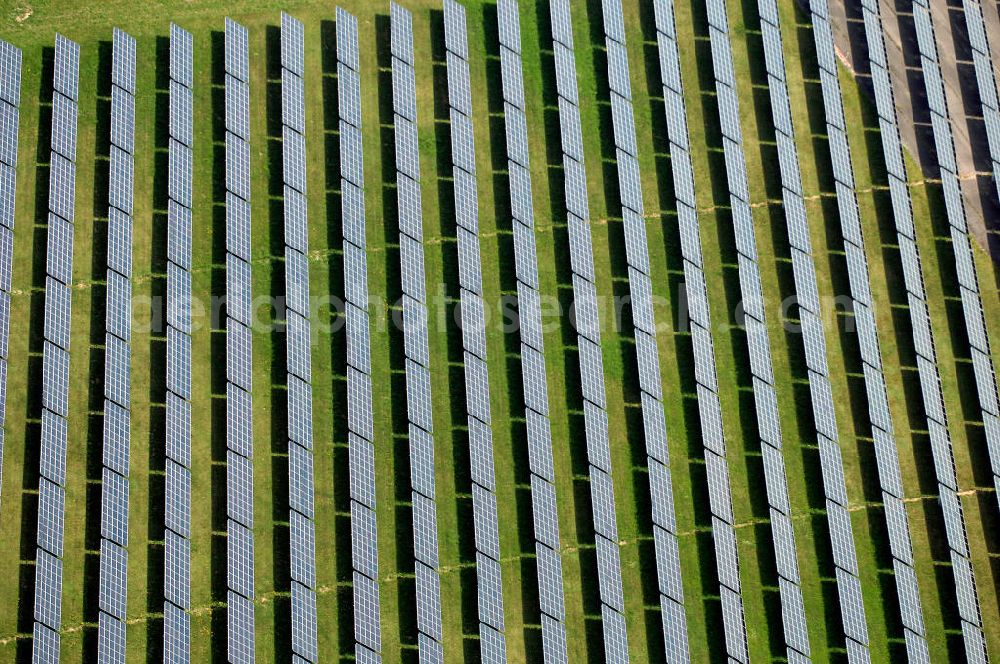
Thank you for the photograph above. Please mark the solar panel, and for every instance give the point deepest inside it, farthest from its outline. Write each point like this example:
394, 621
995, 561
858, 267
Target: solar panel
240, 632
64, 121
176, 633
114, 508
119, 305
292, 45
66, 66
239, 475
347, 39
7, 187
10, 73
181, 56
48, 591
708, 400
112, 595
51, 507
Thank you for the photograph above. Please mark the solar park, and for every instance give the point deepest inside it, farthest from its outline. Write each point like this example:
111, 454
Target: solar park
501, 331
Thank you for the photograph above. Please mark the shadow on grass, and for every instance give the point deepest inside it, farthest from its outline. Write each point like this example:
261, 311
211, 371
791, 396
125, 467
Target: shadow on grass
155, 504
280, 542
334, 227
36, 326
219, 585
98, 319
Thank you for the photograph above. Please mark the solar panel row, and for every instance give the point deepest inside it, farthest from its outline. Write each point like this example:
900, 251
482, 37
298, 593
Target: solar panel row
361, 445
55, 355
418, 383
112, 589
986, 380
10, 95
301, 489
944, 462
177, 494
719, 492
814, 340
239, 414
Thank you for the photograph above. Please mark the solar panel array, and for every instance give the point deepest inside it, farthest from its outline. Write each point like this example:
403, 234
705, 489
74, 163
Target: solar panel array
709, 406
239, 412
944, 459
865, 322
551, 595
986, 379
301, 490
896, 516
535, 382
367, 612
755, 325
55, 353
647, 354
177, 466
10, 101
551, 600
852, 607
117, 353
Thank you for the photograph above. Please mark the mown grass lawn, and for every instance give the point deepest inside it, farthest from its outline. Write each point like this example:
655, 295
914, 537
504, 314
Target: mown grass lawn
32, 28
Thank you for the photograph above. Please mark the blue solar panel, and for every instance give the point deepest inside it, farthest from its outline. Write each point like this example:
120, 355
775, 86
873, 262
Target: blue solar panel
55, 357
239, 475
117, 377
364, 556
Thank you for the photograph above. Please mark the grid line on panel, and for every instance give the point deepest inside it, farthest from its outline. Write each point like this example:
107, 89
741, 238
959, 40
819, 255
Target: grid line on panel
177, 494
239, 352
301, 489
114, 503
944, 463
720, 494
361, 450
765, 396
413, 285
55, 358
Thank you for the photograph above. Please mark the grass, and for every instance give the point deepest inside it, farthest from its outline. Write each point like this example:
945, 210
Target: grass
91, 24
